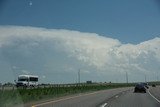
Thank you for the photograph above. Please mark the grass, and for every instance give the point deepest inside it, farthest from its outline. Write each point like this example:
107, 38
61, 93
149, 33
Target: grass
9, 98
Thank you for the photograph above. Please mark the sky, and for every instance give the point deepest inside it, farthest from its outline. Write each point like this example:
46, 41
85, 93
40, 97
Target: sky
104, 39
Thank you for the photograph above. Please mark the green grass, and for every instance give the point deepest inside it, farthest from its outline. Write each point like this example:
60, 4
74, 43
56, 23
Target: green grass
9, 98
12, 97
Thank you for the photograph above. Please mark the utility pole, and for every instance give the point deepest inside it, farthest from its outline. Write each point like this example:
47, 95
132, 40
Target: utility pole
126, 77
157, 77
79, 77
145, 78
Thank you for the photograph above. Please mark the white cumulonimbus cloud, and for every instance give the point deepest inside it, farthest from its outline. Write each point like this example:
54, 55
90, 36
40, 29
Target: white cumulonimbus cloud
91, 49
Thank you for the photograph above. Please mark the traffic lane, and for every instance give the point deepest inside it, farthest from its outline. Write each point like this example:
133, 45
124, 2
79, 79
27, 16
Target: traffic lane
131, 99
155, 91
84, 100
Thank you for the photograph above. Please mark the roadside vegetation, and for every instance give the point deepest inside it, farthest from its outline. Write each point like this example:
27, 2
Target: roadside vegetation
14, 96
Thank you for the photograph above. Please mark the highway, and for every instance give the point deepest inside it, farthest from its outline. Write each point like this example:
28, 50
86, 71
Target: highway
122, 97
131, 99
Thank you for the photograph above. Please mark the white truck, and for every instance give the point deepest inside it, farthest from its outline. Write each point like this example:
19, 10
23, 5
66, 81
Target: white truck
27, 81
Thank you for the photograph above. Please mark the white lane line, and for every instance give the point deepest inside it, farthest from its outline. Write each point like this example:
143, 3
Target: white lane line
116, 96
103, 105
154, 97
63, 99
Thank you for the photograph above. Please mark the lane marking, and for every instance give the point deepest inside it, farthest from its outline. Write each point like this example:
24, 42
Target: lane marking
154, 97
103, 105
63, 99
116, 96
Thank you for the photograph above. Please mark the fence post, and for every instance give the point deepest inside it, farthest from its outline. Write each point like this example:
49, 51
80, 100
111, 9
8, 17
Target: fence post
13, 87
2, 88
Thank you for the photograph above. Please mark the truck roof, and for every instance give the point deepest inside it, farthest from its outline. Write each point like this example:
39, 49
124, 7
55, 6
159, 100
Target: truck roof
28, 76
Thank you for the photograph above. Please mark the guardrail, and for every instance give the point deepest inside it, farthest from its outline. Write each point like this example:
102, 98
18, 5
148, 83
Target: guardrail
13, 87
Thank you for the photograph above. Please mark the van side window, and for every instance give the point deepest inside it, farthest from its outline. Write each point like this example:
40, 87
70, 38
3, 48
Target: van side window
33, 79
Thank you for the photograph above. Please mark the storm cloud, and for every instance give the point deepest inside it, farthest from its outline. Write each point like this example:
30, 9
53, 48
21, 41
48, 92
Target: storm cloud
40, 50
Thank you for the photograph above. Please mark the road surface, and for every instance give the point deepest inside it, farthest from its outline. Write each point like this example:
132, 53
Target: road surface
131, 99
155, 91
83, 100
122, 97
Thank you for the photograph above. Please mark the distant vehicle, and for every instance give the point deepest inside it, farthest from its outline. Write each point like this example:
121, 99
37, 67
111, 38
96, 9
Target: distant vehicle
27, 81
153, 85
89, 82
140, 88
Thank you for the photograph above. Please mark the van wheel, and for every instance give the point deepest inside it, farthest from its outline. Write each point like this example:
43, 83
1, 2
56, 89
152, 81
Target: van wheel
25, 86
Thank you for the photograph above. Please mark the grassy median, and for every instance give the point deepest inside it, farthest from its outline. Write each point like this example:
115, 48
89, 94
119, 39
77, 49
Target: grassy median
17, 96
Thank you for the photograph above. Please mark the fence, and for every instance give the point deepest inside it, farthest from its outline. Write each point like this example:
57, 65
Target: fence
13, 87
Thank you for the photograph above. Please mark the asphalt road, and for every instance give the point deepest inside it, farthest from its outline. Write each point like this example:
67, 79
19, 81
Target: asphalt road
155, 91
131, 99
83, 100
122, 97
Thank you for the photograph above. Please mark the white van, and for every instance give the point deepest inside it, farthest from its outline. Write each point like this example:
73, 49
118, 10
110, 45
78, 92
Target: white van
27, 80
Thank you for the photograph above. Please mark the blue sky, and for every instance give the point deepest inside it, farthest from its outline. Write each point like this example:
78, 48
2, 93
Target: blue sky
130, 21
103, 38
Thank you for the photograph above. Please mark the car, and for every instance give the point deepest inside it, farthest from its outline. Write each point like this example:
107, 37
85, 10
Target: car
140, 87
153, 85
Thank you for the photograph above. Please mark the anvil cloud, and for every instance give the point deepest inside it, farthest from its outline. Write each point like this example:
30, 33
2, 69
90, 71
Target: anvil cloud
45, 48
